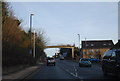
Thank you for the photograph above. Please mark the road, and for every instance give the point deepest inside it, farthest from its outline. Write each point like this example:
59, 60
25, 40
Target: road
65, 69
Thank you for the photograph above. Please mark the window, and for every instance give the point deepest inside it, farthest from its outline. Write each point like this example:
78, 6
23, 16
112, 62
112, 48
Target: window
92, 51
98, 50
87, 44
84, 59
108, 53
92, 44
85, 52
104, 44
113, 54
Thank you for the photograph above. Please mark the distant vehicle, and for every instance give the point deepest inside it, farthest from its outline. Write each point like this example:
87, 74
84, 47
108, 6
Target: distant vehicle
94, 60
111, 62
50, 60
85, 62
61, 58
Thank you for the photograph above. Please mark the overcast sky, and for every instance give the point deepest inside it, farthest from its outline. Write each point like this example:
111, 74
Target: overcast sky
62, 21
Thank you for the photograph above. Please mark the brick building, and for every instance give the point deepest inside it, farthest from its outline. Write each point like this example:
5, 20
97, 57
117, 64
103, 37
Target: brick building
95, 48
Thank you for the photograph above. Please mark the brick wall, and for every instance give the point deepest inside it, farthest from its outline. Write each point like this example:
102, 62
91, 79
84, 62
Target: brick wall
93, 53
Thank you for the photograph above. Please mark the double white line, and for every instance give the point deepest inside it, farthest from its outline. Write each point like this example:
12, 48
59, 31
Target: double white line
76, 74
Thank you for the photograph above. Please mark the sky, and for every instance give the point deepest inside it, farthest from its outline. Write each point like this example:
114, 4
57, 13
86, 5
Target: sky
63, 21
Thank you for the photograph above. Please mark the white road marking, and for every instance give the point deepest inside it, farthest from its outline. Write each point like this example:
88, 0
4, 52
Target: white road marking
75, 69
67, 70
72, 74
81, 80
76, 75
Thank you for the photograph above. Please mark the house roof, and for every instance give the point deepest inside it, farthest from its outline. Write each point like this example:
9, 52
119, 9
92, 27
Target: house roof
97, 44
117, 45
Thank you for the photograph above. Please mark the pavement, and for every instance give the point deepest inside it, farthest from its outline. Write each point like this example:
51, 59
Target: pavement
22, 74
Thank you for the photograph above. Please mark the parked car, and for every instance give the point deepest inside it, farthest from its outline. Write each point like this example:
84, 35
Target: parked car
111, 62
94, 60
85, 62
50, 60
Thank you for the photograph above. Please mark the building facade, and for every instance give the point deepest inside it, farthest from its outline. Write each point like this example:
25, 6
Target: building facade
95, 48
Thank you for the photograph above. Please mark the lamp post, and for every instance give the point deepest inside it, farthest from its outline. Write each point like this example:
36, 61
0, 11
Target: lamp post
79, 40
34, 46
85, 48
79, 44
31, 33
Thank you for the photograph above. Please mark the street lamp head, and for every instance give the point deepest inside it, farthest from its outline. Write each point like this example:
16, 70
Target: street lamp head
31, 14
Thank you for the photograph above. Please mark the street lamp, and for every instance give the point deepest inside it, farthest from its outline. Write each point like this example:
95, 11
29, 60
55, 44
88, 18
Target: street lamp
79, 44
34, 45
31, 33
79, 40
85, 47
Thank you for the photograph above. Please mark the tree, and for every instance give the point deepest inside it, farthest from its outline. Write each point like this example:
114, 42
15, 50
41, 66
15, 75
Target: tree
16, 42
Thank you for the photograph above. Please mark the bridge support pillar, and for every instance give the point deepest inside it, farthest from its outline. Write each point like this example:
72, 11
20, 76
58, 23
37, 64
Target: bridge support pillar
73, 52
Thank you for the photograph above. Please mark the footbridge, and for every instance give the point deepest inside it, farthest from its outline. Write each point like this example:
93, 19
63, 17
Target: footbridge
72, 47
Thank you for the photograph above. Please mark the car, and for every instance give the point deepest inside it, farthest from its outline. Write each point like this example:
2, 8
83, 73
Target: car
50, 61
85, 62
94, 60
111, 62
61, 58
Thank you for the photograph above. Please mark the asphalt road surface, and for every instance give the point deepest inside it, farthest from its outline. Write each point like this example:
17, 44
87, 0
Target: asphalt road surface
65, 69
